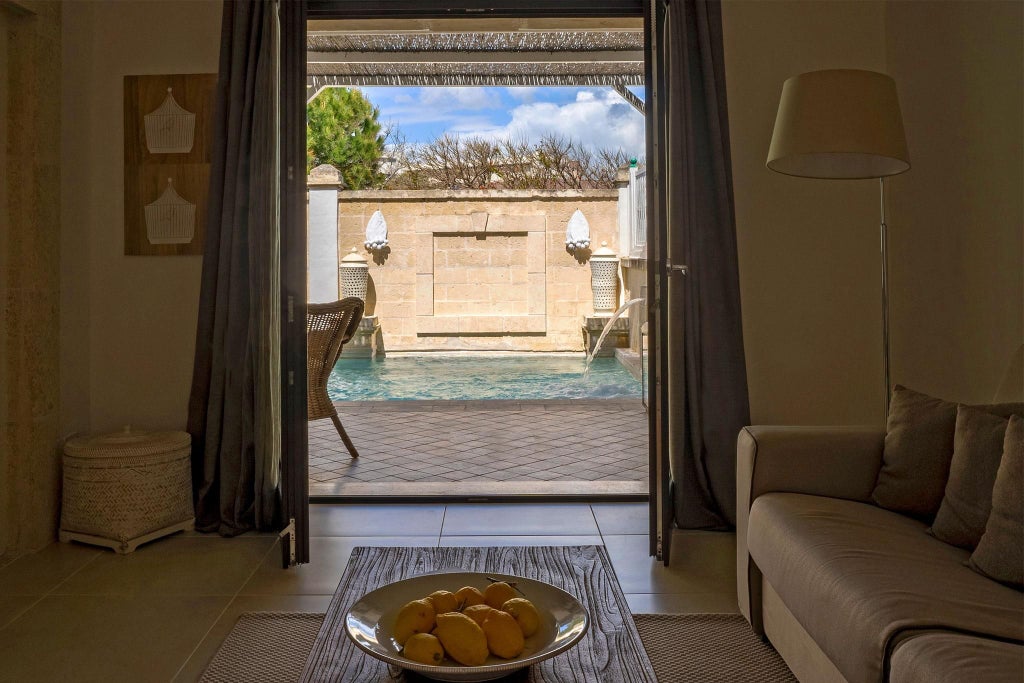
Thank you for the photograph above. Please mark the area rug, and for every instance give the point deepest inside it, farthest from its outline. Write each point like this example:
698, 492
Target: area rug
684, 648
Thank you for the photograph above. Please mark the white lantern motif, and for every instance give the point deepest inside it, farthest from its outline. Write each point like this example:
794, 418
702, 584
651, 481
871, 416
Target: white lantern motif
170, 219
170, 128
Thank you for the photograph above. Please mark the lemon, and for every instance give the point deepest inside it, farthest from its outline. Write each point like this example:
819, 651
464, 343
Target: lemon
469, 596
424, 648
525, 614
414, 617
498, 593
462, 639
504, 638
443, 601
478, 612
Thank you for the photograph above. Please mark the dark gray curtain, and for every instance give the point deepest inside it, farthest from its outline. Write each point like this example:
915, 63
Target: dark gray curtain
708, 380
234, 408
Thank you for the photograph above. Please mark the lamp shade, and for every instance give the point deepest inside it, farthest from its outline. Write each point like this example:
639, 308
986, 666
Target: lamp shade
839, 123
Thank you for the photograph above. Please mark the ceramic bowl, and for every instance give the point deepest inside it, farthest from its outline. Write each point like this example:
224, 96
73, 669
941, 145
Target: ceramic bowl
369, 624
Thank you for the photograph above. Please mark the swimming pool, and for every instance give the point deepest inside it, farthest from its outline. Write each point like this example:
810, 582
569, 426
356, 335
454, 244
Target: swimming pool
447, 377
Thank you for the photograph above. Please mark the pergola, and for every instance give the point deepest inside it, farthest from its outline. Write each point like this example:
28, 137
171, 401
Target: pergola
590, 56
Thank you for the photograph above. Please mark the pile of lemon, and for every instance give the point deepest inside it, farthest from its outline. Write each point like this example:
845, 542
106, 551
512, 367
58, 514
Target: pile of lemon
468, 625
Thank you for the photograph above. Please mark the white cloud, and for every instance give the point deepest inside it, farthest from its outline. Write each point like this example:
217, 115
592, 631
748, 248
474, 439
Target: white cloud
599, 119
524, 93
456, 98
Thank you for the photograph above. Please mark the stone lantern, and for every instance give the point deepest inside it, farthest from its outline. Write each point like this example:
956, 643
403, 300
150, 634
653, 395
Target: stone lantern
604, 271
355, 273
368, 341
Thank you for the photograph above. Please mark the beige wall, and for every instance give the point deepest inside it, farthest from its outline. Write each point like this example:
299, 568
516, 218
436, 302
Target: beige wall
30, 223
479, 269
809, 262
808, 249
956, 218
129, 327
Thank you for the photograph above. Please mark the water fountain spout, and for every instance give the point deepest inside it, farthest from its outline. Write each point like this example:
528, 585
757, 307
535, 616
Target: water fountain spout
608, 326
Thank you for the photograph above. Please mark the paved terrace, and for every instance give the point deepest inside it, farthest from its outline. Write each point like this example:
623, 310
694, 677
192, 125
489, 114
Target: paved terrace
482, 448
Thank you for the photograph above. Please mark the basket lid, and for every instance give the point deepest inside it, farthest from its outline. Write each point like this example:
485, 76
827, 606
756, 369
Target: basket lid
128, 442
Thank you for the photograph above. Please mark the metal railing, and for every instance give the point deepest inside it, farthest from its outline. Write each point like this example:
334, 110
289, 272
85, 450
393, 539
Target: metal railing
638, 209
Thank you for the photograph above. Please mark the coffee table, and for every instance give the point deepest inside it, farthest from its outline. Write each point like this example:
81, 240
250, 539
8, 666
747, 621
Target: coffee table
610, 652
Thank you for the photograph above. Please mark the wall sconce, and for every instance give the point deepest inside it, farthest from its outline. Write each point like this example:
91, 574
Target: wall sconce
376, 232
577, 234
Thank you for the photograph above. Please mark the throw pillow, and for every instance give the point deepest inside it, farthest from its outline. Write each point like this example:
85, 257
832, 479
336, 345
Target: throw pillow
1000, 552
977, 450
918, 449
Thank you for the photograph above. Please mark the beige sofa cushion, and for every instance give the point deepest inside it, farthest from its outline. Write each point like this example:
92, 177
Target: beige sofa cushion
918, 449
857, 577
1000, 553
937, 657
977, 450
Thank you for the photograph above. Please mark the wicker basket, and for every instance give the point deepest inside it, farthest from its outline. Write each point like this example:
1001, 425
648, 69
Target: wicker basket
126, 488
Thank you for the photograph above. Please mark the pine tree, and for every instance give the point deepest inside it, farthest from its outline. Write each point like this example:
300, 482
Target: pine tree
342, 130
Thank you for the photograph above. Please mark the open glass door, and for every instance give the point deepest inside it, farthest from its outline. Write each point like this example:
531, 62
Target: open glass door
658, 284
294, 447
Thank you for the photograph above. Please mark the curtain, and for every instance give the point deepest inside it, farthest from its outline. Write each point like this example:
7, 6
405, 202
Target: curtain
707, 370
235, 404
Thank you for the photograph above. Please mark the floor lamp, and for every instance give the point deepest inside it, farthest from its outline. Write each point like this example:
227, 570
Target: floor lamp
843, 124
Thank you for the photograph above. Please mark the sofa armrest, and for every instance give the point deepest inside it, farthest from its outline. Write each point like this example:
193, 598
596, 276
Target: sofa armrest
838, 462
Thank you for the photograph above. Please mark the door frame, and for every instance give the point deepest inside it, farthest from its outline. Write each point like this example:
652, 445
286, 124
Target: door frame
295, 446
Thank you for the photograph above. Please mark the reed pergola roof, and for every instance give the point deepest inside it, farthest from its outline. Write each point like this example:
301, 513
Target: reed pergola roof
476, 58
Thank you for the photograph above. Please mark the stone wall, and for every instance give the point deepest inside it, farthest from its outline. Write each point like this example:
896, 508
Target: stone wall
478, 269
634, 275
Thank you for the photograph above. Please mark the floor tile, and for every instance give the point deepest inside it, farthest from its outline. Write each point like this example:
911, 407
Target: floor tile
482, 541
40, 572
700, 563
519, 520
375, 520
106, 638
12, 606
328, 558
682, 603
622, 518
173, 566
193, 669
706, 553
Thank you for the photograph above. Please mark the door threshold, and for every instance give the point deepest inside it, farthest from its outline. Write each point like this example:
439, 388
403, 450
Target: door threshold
480, 492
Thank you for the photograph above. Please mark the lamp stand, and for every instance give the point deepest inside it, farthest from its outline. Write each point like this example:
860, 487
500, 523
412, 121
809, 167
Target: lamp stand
885, 296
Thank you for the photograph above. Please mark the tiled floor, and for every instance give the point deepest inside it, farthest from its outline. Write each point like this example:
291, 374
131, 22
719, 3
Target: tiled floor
72, 612
479, 447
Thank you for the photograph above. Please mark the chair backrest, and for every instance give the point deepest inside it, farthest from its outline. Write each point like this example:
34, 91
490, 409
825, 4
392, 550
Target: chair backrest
328, 328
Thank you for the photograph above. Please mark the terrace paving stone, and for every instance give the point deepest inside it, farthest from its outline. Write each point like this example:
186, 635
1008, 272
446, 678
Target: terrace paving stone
579, 440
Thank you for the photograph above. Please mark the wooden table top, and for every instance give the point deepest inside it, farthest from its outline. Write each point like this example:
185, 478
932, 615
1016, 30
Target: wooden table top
610, 652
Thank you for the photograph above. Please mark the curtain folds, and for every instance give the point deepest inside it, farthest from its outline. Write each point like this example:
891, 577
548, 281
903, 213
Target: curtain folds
235, 404
708, 381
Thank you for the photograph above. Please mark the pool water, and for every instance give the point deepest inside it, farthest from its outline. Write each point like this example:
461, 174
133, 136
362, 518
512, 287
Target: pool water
445, 377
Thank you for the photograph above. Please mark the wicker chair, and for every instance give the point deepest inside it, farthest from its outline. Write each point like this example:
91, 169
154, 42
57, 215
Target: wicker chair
328, 329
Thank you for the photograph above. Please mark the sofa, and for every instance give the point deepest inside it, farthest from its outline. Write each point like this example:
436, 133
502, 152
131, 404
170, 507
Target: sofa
849, 591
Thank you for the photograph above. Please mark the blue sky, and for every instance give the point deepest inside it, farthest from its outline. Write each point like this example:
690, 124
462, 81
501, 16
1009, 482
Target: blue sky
596, 116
